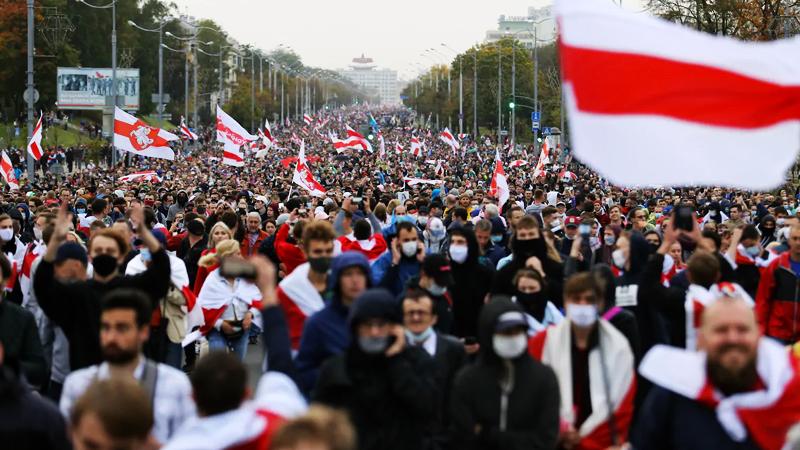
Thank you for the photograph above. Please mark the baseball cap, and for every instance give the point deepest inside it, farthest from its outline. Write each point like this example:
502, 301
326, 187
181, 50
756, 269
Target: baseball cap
438, 267
572, 221
71, 250
510, 319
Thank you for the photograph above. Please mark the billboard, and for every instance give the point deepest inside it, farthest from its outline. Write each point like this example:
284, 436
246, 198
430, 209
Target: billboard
86, 88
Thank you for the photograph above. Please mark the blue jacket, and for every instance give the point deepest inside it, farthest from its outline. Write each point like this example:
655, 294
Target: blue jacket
394, 278
326, 332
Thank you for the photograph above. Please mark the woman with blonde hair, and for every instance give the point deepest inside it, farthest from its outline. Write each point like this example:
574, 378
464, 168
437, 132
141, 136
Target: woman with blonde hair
228, 304
219, 232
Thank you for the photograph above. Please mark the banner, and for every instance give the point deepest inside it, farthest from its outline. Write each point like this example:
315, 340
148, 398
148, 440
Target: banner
86, 88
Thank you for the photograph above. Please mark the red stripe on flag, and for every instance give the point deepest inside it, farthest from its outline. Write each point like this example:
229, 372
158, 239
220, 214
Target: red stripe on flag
608, 82
232, 156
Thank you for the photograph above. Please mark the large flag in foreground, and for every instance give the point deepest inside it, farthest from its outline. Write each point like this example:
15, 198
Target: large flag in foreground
233, 136
139, 138
655, 103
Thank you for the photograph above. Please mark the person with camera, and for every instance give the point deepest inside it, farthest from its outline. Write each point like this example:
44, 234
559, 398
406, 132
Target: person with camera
229, 301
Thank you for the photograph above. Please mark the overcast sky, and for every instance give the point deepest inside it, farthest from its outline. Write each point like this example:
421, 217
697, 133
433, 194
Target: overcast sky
329, 33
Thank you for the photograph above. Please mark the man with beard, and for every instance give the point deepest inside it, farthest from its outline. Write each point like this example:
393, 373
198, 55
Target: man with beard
740, 392
124, 328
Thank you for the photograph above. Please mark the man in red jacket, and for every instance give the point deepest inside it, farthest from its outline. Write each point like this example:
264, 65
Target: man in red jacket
777, 307
290, 253
253, 236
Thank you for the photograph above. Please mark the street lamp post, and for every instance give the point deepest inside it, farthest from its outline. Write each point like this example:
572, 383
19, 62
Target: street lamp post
29, 158
160, 31
113, 6
460, 90
512, 112
499, 93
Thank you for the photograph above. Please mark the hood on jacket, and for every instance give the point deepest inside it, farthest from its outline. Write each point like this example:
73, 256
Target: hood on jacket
472, 247
376, 303
487, 320
342, 262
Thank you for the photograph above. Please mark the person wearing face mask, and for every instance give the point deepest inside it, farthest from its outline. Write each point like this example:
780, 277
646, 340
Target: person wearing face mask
75, 307
767, 229
472, 282
595, 369
393, 269
447, 352
386, 386
300, 293
529, 242
750, 259
326, 333
178, 207
435, 278
434, 235
422, 218
539, 312
505, 399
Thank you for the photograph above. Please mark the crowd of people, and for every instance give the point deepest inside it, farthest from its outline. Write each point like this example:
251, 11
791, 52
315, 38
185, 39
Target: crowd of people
407, 307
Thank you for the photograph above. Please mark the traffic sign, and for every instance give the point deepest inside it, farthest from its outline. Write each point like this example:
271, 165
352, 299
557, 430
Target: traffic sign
546, 131
27, 97
535, 116
535, 126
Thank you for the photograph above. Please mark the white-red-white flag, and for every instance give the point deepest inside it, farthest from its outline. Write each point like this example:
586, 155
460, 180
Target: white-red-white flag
566, 176
416, 147
135, 136
146, 175
398, 148
382, 145
303, 176
411, 181
707, 103
8, 171
268, 139
186, 131
544, 158
308, 119
35, 145
353, 134
447, 137
499, 186
518, 163
233, 136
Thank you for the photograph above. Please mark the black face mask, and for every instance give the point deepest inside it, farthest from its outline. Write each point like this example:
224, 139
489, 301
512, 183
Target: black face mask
527, 248
320, 265
201, 210
104, 265
195, 228
534, 304
182, 200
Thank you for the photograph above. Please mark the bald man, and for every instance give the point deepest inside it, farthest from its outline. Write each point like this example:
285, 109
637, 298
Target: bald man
739, 391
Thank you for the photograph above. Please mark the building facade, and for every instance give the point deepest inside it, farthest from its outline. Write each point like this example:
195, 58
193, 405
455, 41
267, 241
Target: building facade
382, 83
522, 27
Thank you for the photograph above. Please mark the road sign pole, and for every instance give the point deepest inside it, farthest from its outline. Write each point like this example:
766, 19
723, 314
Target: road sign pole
30, 96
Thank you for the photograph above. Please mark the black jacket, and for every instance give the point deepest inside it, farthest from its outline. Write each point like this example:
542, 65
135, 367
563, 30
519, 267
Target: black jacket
391, 401
473, 281
668, 421
20, 339
27, 421
669, 301
75, 307
191, 256
448, 360
475, 407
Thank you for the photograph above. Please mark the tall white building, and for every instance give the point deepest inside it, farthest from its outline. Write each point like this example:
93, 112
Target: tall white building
538, 20
383, 83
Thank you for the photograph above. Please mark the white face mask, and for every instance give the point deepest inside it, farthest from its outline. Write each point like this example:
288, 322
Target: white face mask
583, 316
409, 248
459, 253
37, 233
619, 258
509, 347
7, 234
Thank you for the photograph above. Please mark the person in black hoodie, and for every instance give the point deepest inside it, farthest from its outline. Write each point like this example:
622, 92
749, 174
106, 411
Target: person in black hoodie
472, 282
387, 388
528, 241
505, 400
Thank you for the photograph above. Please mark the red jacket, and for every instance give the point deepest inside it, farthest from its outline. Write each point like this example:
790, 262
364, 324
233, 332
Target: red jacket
202, 272
778, 300
290, 254
246, 249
